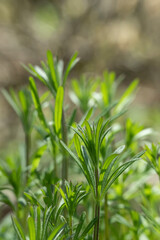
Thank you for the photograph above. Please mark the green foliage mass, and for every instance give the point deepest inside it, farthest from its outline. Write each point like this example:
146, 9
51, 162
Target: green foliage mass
78, 176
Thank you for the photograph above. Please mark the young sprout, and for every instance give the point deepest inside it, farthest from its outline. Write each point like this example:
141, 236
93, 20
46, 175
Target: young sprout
72, 195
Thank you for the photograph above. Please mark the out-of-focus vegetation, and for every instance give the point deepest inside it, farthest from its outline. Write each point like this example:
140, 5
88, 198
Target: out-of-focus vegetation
118, 35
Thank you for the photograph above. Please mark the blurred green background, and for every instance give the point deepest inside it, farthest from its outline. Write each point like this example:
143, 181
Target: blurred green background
116, 35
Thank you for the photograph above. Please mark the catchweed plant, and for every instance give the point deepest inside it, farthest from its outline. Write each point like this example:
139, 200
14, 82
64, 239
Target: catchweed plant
83, 92
100, 177
53, 75
72, 196
39, 226
103, 147
22, 105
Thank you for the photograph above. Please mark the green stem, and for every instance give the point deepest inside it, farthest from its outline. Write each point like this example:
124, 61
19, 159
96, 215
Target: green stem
65, 157
106, 218
54, 157
106, 198
97, 209
71, 225
27, 150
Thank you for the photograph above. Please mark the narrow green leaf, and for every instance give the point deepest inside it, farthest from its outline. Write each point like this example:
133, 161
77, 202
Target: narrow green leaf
46, 219
57, 232
119, 150
58, 110
81, 165
89, 170
52, 69
98, 135
77, 145
105, 173
71, 64
33, 199
40, 72
23, 101
38, 223
36, 101
88, 228
12, 102
116, 174
127, 96
86, 117
18, 228
88, 130
36, 74
31, 225
37, 156
72, 118
80, 225
71, 154
105, 111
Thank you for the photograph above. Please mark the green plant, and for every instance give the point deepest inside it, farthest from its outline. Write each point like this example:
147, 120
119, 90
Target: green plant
22, 105
100, 176
39, 225
53, 76
109, 192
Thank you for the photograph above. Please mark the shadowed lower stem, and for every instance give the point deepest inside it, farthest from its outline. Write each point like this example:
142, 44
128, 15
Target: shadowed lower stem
97, 209
106, 218
54, 157
71, 225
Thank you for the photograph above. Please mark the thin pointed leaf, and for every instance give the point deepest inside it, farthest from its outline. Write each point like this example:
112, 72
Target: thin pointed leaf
116, 174
18, 229
38, 223
37, 156
105, 172
46, 219
57, 232
90, 172
36, 101
88, 228
58, 110
128, 94
80, 225
86, 117
52, 69
72, 118
31, 226
71, 64
12, 102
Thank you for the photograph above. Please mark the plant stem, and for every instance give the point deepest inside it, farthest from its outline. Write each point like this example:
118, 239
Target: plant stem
65, 157
54, 157
71, 225
106, 199
97, 209
27, 150
106, 218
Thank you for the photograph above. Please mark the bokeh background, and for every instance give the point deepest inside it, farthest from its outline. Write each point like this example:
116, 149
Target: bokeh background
118, 35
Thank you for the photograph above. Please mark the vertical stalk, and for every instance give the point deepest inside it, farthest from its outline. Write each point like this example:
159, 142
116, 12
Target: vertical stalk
65, 157
106, 218
27, 150
71, 225
54, 156
97, 209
